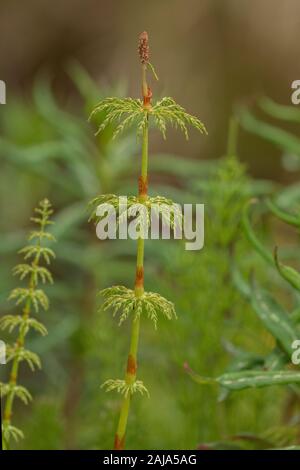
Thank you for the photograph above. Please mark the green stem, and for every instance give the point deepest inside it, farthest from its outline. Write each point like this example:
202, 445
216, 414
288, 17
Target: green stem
131, 371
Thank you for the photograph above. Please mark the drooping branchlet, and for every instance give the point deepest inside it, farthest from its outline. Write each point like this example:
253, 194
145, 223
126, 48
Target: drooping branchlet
143, 187
138, 302
144, 47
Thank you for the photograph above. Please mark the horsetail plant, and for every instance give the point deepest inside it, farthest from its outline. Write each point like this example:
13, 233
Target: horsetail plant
32, 298
137, 302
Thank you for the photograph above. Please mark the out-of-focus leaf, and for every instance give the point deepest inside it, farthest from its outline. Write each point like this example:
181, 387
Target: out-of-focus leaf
261, 187
284, 435
178, 195
279, 111
283, 215
243, 441
277, 136
220, 445
59, 333
288, 196
68, 219
295, 316
41, 160
276, 360
242, 359
11, 242
273, 439
85, 84
239, 282
181, 167
287, 448
65, 124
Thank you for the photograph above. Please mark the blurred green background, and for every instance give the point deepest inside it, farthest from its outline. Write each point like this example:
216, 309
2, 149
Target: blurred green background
215, 58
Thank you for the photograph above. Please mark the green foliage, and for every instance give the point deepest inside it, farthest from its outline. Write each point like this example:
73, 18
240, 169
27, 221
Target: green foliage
37, 272
289, 274
252, 237
250, 379
115, 108
278, 437
32, 251
275, 134
11, 432
291, 219
206, 296
133, 112
20, 354
124, 388
30, 297
16, 390
165, 111
25, 294
10, 322
274, 318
